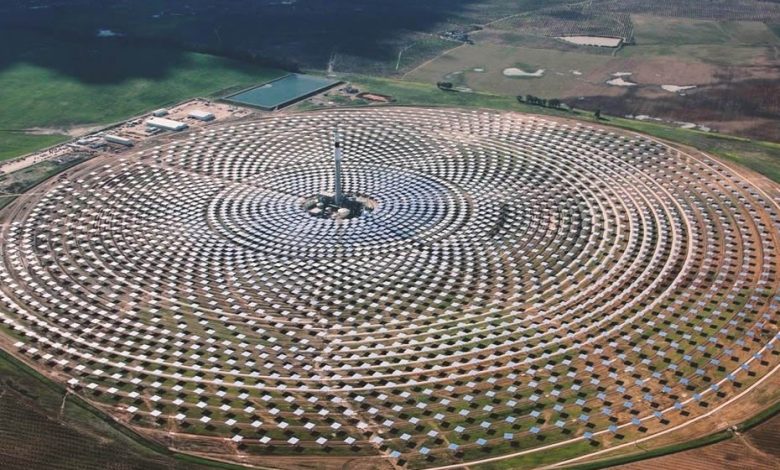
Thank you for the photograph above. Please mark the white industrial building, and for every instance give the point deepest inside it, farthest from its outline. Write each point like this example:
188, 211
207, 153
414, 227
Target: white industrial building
118, 140
160, 112
166, 124
201, 115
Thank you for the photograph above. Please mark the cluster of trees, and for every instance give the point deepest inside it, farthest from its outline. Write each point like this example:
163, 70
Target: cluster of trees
554, 103
536, 101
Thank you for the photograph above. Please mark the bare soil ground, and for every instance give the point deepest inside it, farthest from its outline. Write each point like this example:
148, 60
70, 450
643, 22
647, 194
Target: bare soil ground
735, 67
136, 128
72, 131
742, 100
738, 105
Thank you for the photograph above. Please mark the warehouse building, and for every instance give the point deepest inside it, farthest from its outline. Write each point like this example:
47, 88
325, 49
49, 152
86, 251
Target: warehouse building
201, 115
118, 140
165, 124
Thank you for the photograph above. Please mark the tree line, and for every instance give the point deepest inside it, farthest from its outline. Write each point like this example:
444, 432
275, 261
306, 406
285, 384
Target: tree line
554, 103
543, 102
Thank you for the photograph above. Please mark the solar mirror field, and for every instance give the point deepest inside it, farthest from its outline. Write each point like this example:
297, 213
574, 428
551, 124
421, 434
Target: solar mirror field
282, 91
515, 286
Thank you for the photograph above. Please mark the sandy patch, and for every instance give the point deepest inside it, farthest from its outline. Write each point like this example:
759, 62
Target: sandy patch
74, 131
620, 81
516, 72
668, 70
599, 41
107, 33
677, 88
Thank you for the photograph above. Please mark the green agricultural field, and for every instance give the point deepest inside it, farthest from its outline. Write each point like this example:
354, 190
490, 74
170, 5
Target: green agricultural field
717, 54
650, 30
653, 30
13, 144
37, 89
59, 84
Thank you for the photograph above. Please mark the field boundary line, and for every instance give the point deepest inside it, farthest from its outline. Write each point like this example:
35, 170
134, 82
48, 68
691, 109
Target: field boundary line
403, 77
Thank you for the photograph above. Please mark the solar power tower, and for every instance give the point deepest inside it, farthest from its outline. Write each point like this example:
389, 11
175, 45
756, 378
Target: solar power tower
338, 197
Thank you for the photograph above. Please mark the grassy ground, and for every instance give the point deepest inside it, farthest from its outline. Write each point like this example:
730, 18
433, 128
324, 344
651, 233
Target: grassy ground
38, 429
13, 144
538, 459
36, 90
718, 54
759, 156
721, 436
422, 94
558, 78
704, 441
23, 180
722, 43
650, 30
